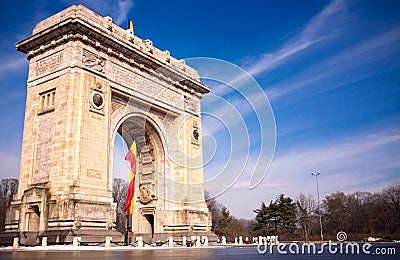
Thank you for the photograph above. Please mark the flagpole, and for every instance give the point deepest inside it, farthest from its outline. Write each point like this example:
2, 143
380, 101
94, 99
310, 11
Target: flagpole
126, 230
131, 158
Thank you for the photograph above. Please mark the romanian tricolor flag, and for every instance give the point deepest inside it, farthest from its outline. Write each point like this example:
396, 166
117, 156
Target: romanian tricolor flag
130, 198
131, 25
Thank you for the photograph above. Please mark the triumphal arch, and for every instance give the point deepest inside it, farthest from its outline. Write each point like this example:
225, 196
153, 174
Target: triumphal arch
90, 80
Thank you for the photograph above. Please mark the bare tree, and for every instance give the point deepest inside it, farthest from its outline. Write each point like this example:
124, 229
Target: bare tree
120, 188
215, 208
306, 208
385, 211
8, 187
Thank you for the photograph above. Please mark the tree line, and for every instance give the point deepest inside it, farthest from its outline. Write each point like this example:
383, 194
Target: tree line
359, 214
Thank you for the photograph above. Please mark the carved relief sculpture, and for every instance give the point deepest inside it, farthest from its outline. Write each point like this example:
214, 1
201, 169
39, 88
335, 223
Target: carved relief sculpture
93, 61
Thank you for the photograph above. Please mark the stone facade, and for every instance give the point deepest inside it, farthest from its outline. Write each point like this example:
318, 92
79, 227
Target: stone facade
90, 80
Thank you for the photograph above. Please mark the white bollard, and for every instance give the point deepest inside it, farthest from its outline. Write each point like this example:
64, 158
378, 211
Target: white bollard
273, 240
236, 241
139, 241
198, 241
240, 240
223, 240
260, 240
205, 239
75, 242
192, 241
44, 241
108, 242
184, 241
170, 241
15, 242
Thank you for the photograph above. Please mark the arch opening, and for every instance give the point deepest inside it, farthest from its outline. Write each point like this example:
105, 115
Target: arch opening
149, 170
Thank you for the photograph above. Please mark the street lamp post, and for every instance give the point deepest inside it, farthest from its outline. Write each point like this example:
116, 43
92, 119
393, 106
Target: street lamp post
319, 210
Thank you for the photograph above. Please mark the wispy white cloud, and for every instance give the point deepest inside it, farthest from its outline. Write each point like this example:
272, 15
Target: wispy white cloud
358, 57
12, 63
320, 27
118, 10
121, 13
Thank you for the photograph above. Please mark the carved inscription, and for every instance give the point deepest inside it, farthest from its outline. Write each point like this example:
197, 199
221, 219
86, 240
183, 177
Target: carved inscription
93, 173
158, 91
146, 86
121, 75
49, 64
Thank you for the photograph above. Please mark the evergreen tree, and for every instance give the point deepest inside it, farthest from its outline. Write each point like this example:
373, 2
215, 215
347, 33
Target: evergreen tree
261, 226
278, 217
286, 213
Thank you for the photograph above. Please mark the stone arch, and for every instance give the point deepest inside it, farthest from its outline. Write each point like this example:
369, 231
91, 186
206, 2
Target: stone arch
151, 148
112, 82
150, 169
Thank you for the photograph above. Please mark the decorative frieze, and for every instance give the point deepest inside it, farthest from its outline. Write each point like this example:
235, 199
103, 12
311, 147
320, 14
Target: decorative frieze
145, 86
121, 75
49, 64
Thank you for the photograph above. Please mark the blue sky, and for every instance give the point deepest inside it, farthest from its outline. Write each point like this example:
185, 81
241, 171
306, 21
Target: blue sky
330, 69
